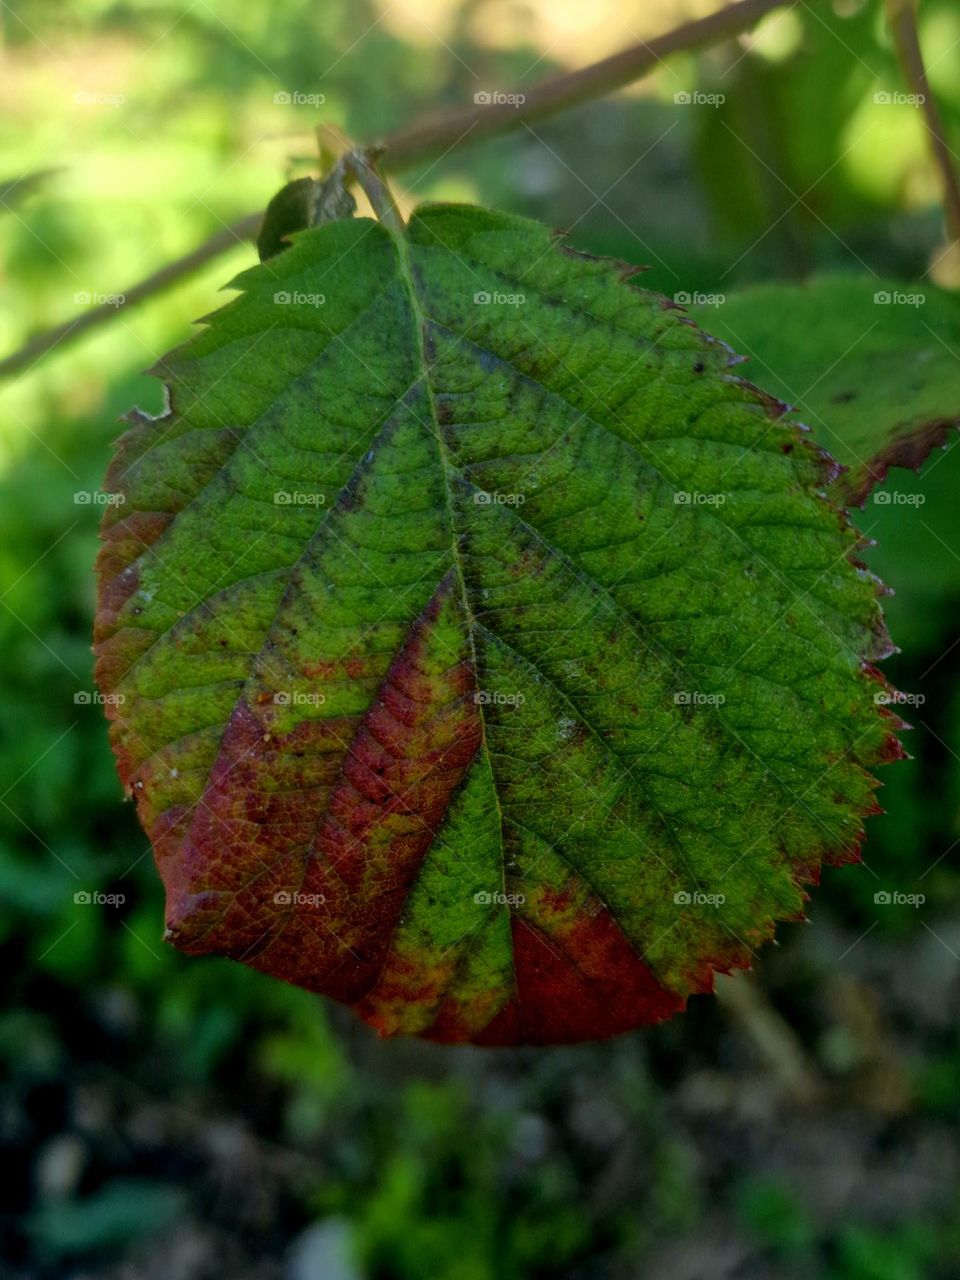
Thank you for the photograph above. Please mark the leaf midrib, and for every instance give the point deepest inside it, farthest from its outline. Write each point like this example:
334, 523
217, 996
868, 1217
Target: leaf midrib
446, 468
421, 322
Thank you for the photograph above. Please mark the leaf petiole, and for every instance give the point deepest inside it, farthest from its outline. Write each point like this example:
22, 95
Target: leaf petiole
361, 167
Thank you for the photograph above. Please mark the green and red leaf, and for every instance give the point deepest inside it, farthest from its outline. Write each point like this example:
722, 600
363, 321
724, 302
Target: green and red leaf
484, 652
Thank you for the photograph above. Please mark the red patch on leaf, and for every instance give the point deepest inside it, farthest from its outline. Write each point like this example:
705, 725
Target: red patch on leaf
607, 990
301, 854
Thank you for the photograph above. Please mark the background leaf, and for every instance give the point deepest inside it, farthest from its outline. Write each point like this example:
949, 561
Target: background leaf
870, 366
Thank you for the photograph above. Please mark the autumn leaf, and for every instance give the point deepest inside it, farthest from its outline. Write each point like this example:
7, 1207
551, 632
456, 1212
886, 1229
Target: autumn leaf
480, 649
871, 366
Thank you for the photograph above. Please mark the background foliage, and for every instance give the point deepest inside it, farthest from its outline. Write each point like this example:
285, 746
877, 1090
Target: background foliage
176, 1118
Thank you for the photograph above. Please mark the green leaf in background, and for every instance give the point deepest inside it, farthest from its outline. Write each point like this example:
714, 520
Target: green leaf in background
872, 367
915, 522
479, 647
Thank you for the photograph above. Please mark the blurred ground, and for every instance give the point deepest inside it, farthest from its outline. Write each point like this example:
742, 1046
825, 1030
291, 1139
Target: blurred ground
178, 1120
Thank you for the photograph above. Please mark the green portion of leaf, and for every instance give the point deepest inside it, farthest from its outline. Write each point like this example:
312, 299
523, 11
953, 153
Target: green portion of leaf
872, 367
915, 522
483, 650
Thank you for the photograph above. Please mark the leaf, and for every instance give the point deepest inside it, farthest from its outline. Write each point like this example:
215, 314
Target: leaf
914, 530
480, 650
303, 203
870, 366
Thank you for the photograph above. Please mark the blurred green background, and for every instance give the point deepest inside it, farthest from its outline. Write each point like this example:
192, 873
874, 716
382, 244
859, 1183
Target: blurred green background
184, 1119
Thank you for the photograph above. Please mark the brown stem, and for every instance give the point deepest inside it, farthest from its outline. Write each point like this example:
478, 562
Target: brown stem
435, 136
432, 137
62, 334
773, 1037
902, 20
362, 167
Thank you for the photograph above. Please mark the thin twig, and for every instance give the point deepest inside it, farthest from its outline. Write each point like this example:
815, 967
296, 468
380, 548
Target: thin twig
62, 334
469, 124
430, 138
773, 1037
364, 167
902, 20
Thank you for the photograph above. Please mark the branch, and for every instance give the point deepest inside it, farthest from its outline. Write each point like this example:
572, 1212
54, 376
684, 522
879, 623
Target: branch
772, 1036
557, 94
429, 138
902, 20
62, 334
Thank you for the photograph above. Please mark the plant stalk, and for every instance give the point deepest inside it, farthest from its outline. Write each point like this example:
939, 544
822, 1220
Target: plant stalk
902, 21
425, 140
